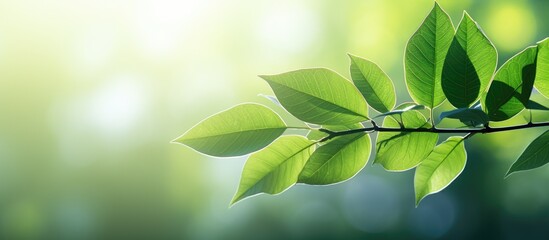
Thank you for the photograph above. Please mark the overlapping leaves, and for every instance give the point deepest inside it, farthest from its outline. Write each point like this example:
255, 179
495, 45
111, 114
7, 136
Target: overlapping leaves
440, 63
400, 151
424, 58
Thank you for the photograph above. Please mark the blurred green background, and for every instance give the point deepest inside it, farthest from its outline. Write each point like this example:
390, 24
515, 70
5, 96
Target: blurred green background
92, 93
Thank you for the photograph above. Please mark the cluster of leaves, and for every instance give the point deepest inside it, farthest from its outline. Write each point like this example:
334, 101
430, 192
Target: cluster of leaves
441, 63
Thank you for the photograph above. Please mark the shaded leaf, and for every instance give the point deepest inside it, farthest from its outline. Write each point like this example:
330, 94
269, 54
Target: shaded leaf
440, 168
469, 64
400, 151
424, 57
275, 168
374, 84
237, 131
542, 69
319, 96
338, 160
470, 116
533, 105
535, 155
512, 86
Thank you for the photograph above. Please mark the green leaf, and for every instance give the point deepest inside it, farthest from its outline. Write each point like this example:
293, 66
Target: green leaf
424, 57
469, 64
535, 155
542, 70
237, 131
400, 151
319, 96
275, 168
512, 86
338, 160
440, 168
469, 116
402, 108
316, 135
374, 84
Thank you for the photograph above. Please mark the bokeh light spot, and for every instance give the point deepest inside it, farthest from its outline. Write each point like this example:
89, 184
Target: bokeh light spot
511, 26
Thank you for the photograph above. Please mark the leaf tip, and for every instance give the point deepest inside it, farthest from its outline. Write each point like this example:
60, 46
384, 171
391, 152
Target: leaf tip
236, 199
263, 76
351, 56
178, 140
509, 172
467, 16
418, 200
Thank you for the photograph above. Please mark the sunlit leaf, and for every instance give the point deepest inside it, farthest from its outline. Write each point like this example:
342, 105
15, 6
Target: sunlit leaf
424, 57
374, 84
535, 155
440, 168
237, 131
512, 86
319, 96
469, 116
275, 168
400, 151
338, 160
542, 69
469, 64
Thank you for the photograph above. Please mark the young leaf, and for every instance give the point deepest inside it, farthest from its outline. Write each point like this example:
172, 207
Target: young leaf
535, 155
469, 64
337, 161
424, 57
237, 131
542, 69
319, 96
374, 84
275, 168
512, 86
470, 116
400, 151
440, 168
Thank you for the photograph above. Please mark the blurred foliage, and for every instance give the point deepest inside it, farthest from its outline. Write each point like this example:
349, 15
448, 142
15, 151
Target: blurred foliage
92, 92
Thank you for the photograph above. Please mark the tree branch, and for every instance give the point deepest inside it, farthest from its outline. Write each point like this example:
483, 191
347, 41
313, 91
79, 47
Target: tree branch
375, 128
